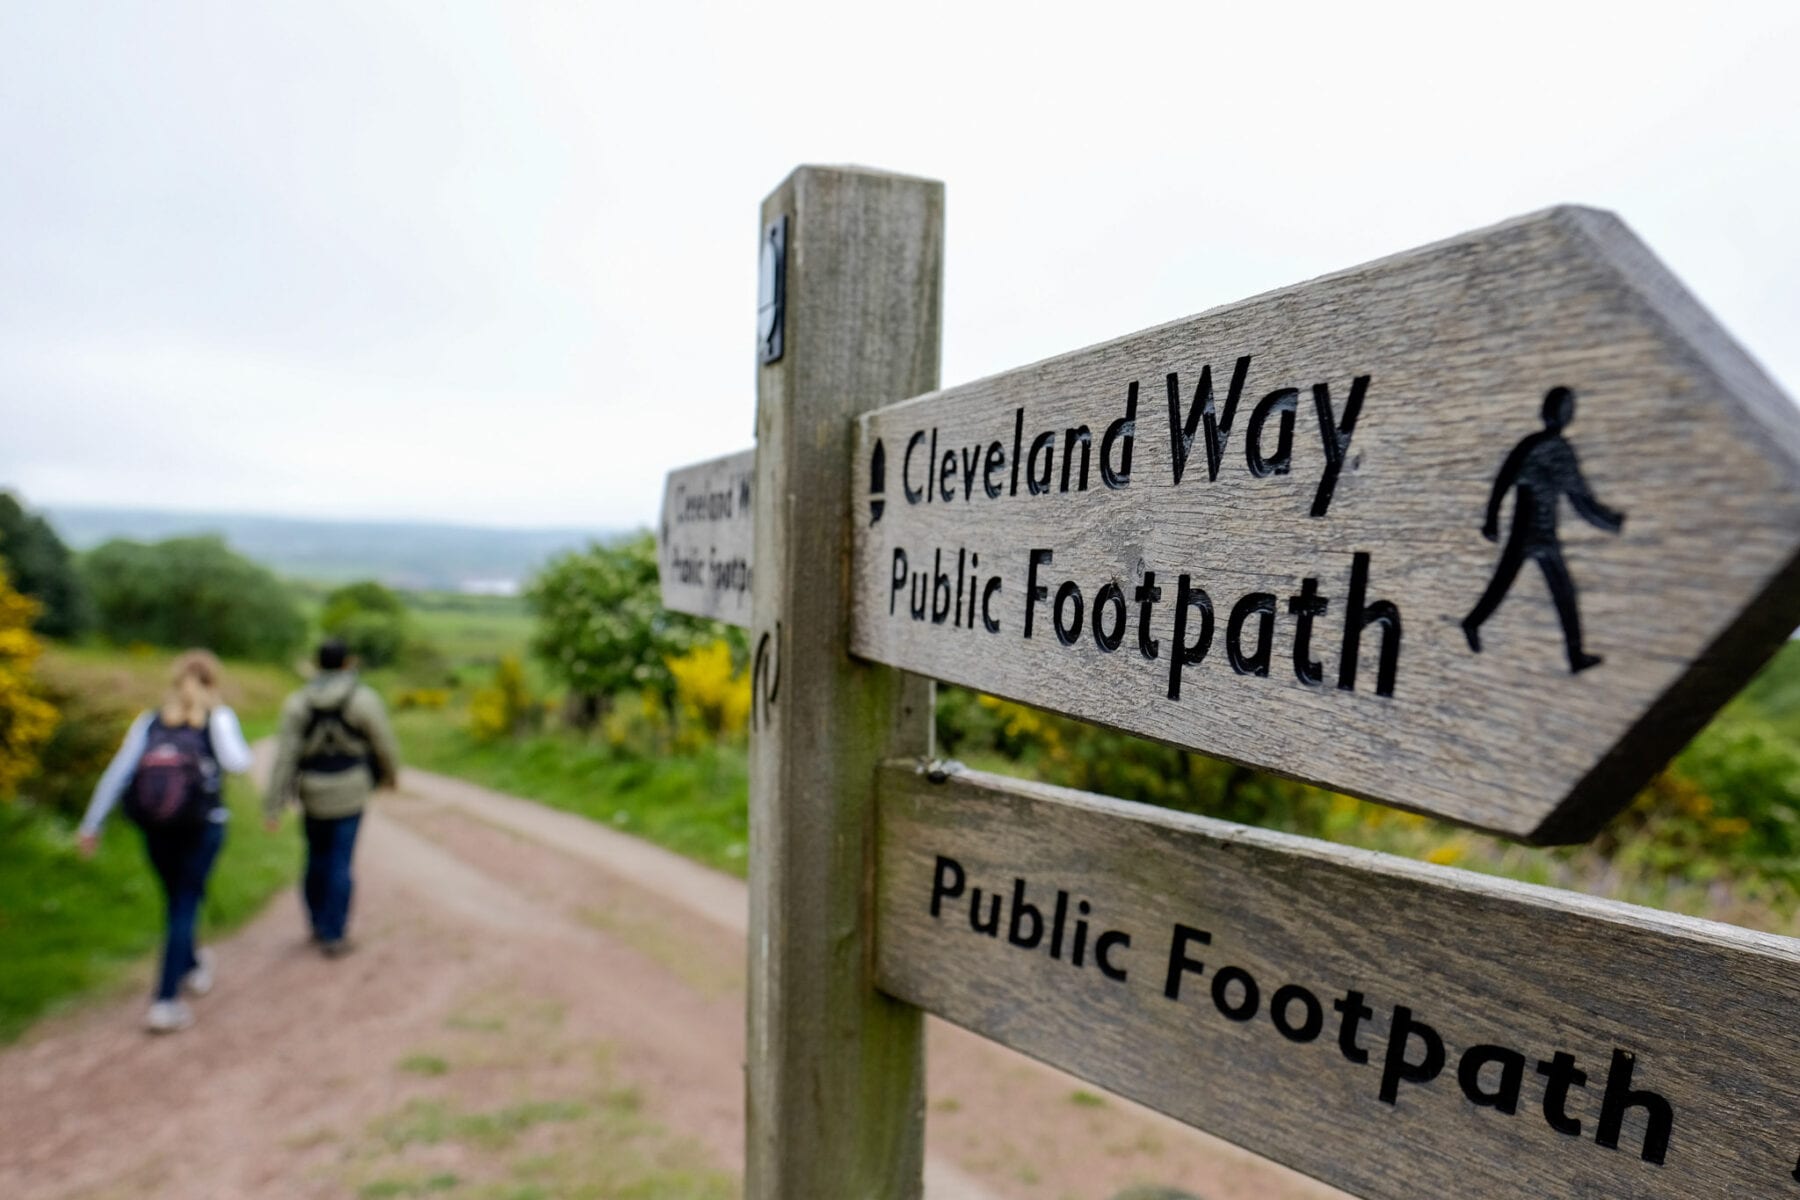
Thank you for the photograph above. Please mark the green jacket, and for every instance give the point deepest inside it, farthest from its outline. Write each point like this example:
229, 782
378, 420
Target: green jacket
332, 793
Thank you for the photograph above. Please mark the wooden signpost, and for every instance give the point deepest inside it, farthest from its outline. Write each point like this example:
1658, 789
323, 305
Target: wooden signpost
1486, 530
704, 545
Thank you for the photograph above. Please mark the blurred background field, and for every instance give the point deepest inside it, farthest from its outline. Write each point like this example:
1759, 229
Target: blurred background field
582, 694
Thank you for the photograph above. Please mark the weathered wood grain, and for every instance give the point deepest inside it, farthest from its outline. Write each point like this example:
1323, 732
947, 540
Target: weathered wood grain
705, 552
835, 1099
1701, 1015
1458, 346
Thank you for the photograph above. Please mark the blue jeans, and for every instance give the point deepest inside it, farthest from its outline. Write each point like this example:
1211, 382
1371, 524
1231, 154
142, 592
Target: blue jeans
330, 841
183, 858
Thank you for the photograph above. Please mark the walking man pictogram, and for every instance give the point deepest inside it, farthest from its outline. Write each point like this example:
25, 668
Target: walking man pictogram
1542, 469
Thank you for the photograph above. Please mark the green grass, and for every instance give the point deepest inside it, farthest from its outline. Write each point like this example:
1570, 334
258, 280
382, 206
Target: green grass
456, 641
694, 804
541, 1141
70, 926
424, 1064
429, 1122
386, 1189
129, 681
596, 1145
470, 629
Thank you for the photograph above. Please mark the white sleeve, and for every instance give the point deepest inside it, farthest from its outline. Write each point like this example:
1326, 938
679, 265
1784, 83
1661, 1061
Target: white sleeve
228, 743
117, 776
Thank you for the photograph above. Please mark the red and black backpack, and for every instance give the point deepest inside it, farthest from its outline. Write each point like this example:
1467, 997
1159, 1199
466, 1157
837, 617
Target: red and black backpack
177, 779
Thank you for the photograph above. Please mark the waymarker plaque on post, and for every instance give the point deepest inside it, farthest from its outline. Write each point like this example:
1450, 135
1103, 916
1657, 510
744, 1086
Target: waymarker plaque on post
704, 542
1485, 530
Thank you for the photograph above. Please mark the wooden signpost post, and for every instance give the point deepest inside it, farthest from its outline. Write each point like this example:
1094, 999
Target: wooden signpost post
835, 1077
1486, 530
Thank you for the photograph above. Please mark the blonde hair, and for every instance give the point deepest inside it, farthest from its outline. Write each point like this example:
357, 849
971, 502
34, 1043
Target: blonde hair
193, 689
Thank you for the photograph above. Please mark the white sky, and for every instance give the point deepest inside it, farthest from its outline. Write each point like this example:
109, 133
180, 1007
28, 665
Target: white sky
497, 263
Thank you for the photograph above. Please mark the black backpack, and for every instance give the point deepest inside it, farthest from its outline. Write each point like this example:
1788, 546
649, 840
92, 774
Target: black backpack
177, 782
330, 743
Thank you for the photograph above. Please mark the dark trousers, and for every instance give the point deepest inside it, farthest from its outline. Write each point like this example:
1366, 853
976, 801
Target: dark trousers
183, 858
330, 841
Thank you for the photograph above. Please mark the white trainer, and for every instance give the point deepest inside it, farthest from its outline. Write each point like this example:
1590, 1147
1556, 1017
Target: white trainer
199, 981
168, 1016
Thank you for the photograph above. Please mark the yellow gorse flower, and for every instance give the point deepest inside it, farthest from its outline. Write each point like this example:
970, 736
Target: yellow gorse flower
26, 719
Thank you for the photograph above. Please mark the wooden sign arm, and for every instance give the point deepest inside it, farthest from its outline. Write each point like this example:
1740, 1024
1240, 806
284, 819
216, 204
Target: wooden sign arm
1393, 1028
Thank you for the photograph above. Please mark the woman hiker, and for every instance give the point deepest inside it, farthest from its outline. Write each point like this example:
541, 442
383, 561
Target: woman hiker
168, 772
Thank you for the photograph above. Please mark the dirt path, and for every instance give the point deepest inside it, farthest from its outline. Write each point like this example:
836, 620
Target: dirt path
538, 1004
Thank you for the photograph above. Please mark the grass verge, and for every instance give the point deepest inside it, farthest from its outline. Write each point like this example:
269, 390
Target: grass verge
70, 926
694, 803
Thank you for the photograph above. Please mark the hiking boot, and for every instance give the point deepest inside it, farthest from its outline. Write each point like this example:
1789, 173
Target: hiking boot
199, 981
336, 947
168, 1016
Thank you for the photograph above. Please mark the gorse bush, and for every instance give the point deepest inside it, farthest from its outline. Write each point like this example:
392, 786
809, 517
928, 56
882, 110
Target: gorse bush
506, 707
87, 733
27, 720
638, 725
712, 692
191, 592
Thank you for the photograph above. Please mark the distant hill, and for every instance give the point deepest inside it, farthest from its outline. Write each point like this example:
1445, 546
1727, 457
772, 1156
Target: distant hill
401, 554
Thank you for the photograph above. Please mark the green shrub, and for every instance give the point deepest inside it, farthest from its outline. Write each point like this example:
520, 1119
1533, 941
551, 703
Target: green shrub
42, 567
371, 620
601, 627
191, 592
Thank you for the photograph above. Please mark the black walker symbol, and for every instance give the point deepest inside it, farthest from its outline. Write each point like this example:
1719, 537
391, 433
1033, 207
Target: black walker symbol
1543, 469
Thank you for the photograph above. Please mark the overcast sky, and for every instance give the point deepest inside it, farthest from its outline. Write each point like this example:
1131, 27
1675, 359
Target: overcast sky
475, 262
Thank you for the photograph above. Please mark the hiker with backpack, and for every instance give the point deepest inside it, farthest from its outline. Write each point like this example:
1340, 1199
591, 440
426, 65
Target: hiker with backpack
335, 748
169, 775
